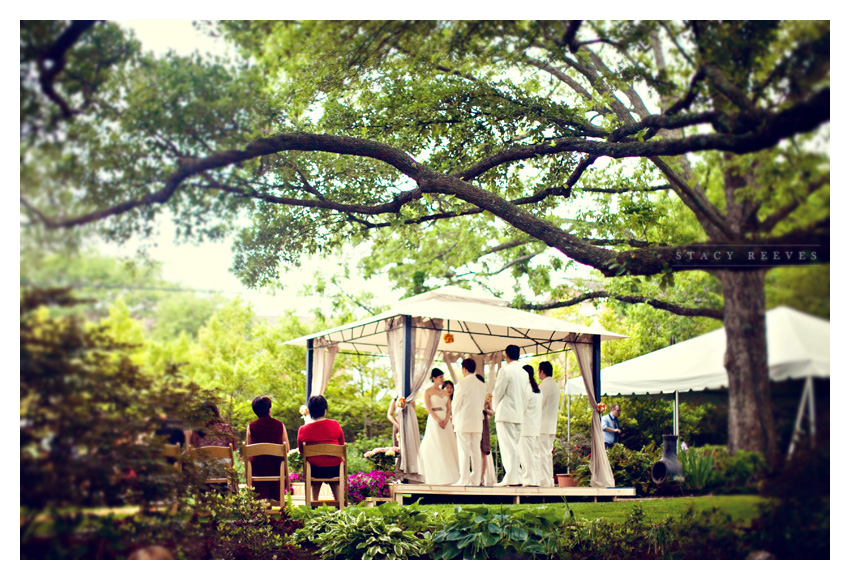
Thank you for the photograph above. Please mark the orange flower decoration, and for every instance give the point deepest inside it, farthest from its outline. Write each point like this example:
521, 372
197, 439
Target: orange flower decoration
449, 338
303, 410
601, 407
400, 402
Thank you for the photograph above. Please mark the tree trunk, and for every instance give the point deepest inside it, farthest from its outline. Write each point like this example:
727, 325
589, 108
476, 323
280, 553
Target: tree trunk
750, 408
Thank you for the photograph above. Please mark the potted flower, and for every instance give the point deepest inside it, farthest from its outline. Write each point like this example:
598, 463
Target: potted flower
567, 458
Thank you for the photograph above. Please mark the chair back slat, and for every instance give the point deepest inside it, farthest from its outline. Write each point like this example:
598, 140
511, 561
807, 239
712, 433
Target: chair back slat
213, 452
326, 449
171, 450
255, 449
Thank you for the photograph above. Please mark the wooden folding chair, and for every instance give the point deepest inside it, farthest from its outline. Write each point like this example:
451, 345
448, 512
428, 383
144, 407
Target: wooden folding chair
327, 450
276, 450
205, 454
169, 452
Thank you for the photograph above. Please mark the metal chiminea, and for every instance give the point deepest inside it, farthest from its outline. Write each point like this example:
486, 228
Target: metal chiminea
668, 469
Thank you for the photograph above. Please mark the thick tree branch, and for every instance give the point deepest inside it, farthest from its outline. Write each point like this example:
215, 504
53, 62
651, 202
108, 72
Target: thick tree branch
51, 62
659, 304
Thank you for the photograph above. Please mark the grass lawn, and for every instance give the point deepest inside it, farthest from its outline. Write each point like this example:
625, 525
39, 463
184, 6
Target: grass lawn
741, 508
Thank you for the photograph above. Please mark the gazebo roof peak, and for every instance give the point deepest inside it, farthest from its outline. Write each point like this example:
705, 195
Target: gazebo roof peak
454, 293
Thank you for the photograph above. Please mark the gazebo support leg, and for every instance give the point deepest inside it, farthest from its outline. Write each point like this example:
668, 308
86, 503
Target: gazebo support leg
309, 385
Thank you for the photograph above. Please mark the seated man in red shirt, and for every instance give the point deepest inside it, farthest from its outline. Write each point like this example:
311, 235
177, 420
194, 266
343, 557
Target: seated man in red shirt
321, 430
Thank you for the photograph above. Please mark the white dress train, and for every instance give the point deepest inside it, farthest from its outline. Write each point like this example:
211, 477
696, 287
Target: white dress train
439, 447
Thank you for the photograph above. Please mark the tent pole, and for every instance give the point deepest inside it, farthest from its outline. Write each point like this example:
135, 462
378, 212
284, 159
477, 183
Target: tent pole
799, 422
676, 416
810, 383
597, 367
309, 386
408, 349
569, 417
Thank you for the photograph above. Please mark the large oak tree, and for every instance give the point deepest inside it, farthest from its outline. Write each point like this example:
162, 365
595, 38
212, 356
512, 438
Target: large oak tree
337, 132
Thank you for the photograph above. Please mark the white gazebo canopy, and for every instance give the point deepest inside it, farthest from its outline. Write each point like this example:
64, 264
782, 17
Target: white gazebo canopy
797, 347
479, 324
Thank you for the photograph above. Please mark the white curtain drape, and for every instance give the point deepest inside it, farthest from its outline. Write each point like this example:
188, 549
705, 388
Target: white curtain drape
600, 469
485, 364
324, 354
425, 337
451, 359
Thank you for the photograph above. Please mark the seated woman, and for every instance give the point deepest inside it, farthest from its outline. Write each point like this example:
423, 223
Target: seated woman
266, 430
321, 430
216, 432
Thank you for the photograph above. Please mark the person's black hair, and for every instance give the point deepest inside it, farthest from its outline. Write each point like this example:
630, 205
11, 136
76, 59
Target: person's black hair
452, 394
317, 406
436, 373
480, 378
261, 404
512, 351
546, 367
530, 370
469, 365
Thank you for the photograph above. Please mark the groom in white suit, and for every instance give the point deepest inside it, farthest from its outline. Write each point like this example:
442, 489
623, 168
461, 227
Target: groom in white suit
467, 413
549, 421
508, 399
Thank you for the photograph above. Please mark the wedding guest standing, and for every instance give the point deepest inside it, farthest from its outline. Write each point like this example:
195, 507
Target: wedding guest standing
548, 422
530, 433
508, 399
488, 475
468, 404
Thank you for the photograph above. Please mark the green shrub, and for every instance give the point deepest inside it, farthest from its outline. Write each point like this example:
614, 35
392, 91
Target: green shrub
698, 467
707, 535
356, 461
482, 532
354, 534
630, 468
738, 472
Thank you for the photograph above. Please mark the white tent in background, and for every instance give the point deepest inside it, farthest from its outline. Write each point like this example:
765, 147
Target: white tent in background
797, 347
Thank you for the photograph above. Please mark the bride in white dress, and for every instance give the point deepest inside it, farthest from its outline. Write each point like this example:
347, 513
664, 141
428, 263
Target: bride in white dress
439, 448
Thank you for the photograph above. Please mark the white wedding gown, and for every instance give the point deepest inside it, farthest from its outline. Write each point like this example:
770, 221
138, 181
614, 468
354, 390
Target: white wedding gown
438, 451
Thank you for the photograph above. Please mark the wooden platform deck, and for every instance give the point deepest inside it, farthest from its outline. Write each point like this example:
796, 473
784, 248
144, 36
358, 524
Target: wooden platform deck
409, 492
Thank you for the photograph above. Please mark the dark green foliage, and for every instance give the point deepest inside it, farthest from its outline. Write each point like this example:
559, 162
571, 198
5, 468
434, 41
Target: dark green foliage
794, 524
707, 535
88, 416
738, 472
237, 527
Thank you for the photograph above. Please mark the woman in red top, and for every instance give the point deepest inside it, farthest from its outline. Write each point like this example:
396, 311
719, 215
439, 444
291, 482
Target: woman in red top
321, 430
266, 430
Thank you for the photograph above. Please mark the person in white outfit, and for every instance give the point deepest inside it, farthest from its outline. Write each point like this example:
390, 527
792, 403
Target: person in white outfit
548, 422
468, 405
529, 459
508, 400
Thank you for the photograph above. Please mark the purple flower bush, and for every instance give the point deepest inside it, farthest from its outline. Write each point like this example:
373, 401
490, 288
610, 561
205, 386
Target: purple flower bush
373, 484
